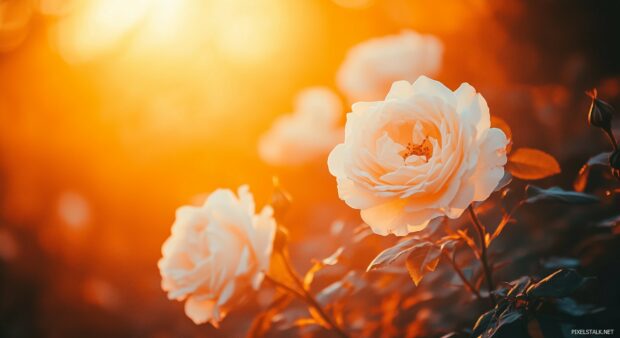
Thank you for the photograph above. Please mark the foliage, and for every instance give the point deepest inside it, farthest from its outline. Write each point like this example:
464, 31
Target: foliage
532, 164
534, 309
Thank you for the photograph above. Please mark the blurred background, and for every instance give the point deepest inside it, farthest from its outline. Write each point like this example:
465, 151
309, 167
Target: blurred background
113, 113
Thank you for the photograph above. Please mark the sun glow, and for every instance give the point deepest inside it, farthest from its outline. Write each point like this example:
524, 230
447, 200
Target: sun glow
242, 30
95, 27
162, 63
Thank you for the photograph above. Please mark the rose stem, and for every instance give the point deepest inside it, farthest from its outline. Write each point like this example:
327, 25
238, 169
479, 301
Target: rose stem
306, 297
311, 300
284, 287
459, 272
483, 252
612, 138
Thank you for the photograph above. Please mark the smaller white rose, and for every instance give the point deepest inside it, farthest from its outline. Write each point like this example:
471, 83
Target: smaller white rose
216, 252
372, 66
306, 134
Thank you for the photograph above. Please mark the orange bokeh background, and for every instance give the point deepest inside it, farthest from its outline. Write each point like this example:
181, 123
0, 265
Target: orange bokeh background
109, 122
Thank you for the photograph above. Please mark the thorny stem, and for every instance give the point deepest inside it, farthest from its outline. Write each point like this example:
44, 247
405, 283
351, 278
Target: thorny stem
461, 275
483, 252
305, 296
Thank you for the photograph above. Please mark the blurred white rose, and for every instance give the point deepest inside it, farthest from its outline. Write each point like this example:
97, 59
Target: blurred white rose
306, 134
216, 252
74, 209
371, 67
9, 248
424, 152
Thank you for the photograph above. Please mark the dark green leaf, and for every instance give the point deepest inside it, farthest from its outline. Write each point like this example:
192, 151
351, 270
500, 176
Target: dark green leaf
561, 283
600, 159
572, 308
509, 316
610, 222
582, 178
518, 286
556, 194
560, 262
507, 325
483, 323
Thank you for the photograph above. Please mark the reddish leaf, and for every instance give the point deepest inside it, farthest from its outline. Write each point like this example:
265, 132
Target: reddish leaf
532, 164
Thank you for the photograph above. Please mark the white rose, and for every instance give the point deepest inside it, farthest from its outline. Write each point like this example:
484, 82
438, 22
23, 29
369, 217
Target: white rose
215, 252
371, 67
424, 152
306, 134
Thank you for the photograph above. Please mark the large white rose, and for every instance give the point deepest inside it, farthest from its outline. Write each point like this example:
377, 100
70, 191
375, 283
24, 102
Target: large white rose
309, 132
424, 152
215, 252
372, 66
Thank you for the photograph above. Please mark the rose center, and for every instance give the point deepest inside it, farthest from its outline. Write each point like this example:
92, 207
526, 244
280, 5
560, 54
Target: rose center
425, 148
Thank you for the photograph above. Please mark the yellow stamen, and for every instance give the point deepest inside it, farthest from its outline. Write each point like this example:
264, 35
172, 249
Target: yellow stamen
423, 149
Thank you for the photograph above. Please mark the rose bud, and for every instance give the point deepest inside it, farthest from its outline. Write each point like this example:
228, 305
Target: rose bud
601, 112
614, 163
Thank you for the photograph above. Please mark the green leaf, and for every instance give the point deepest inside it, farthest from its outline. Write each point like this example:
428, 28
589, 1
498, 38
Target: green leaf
424, 258
557, 194
346, 286
421, 259
561, 283
389, 255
